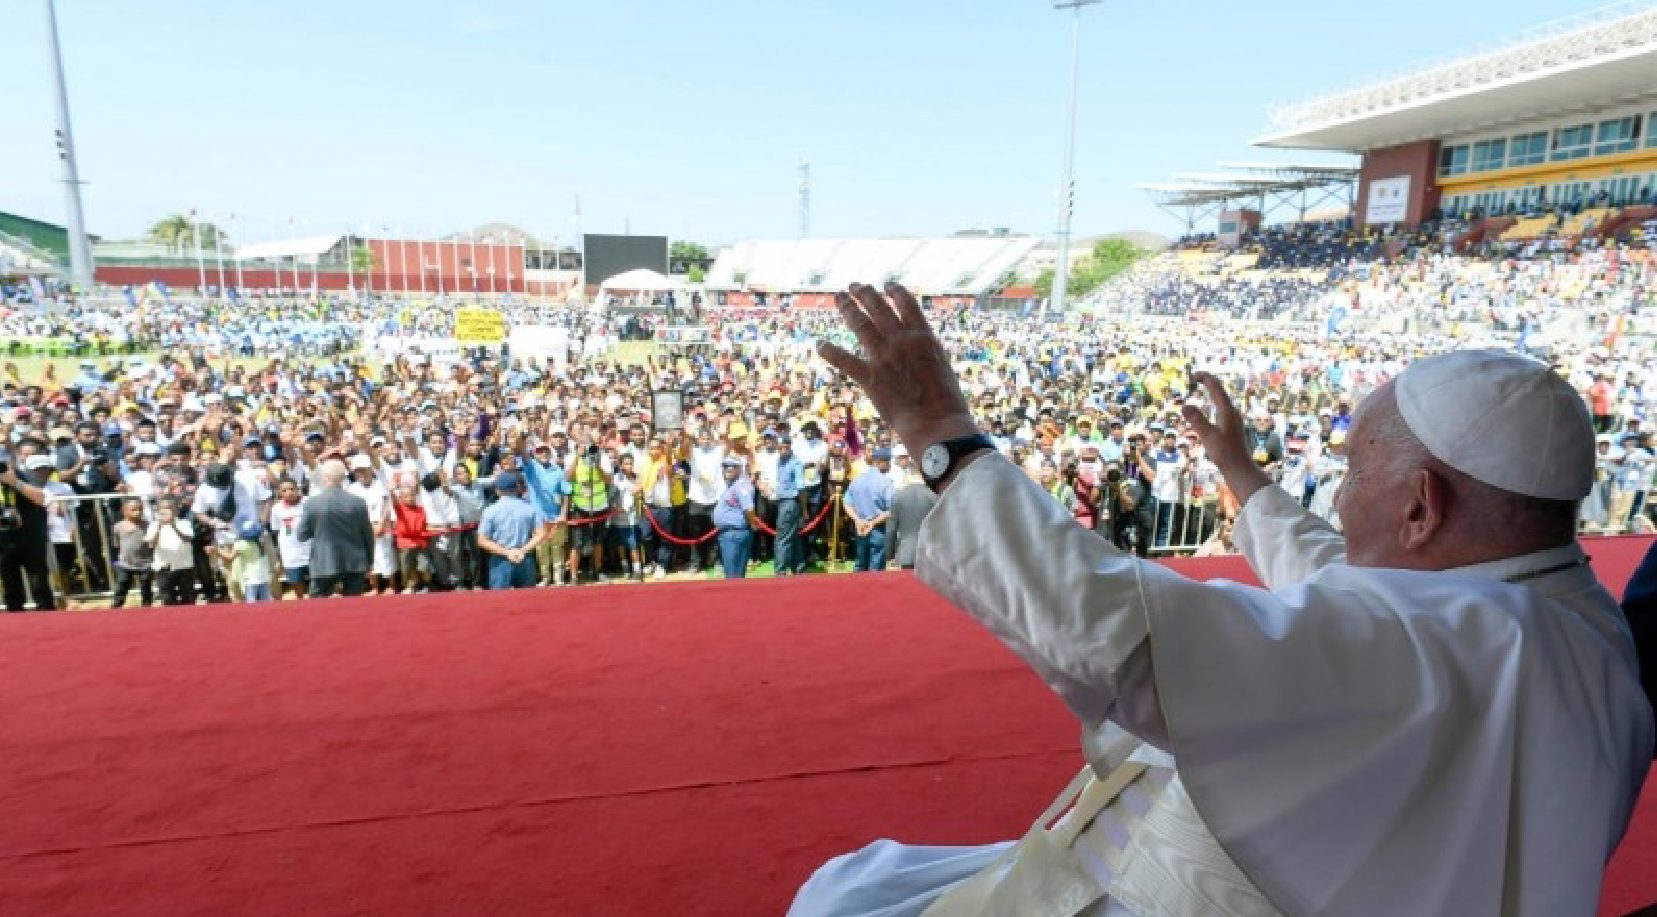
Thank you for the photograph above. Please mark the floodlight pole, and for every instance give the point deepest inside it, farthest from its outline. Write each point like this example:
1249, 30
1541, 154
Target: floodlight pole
80, 251
1067, 191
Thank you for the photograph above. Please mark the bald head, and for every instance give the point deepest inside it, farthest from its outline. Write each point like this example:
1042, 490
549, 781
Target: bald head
1402, 507
332, 473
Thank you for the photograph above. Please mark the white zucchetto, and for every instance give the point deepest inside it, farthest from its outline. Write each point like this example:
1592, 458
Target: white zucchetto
1502, 419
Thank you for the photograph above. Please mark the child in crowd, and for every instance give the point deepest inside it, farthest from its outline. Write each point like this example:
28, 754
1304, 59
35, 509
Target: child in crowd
409, 535
170, 538
133, 558
249, 567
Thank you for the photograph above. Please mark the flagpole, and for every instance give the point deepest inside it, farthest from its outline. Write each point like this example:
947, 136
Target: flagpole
236, 253
350, 264
385, 231
492, 247
218, 255
437, 243
201, 264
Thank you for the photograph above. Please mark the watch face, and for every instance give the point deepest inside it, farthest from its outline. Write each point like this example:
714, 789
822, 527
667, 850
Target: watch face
935, 461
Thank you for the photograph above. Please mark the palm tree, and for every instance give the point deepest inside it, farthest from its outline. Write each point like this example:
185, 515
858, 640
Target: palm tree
171, 232
178, 233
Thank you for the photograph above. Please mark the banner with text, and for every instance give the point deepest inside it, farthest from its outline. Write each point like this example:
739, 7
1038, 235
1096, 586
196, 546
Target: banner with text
479, 326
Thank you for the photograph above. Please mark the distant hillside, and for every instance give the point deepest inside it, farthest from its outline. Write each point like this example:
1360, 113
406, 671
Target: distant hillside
1149, 241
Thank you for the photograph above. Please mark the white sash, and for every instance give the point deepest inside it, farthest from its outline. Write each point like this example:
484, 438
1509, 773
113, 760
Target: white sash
1171, 866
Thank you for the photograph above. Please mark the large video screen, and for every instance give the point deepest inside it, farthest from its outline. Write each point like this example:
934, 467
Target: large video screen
607, 256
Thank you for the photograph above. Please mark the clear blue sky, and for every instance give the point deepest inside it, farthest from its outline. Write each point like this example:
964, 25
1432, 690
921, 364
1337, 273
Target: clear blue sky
689, 119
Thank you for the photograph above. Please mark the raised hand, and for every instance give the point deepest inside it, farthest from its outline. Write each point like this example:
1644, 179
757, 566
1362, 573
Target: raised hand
1222, 439
903, 367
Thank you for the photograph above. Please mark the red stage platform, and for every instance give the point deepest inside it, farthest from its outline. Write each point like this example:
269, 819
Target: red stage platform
690, 749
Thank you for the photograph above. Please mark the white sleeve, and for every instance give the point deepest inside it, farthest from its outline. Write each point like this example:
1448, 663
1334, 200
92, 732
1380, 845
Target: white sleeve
1061, 597
1284, 543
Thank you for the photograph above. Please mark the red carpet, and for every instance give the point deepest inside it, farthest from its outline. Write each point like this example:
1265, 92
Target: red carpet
687, 749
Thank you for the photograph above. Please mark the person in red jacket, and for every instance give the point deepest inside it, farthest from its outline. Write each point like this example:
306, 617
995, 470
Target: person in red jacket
409, 535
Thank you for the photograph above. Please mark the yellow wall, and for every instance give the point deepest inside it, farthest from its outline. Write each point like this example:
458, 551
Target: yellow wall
1633, 162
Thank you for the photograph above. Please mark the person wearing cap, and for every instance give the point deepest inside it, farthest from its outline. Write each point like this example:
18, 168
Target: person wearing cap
1437, 713
868, 502
366, 486
508, 534
339, 529
733, 517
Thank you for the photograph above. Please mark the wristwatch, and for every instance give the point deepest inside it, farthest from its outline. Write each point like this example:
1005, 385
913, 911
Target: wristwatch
940, 459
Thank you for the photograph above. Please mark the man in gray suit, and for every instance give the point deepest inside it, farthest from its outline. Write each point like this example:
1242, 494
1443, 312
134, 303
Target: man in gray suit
341, 535
910, 506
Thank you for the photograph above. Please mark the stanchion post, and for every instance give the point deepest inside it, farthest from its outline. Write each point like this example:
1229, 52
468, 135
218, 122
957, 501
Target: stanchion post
834, 530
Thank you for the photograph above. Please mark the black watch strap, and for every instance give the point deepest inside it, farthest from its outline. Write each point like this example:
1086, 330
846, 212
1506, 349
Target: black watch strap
956, 449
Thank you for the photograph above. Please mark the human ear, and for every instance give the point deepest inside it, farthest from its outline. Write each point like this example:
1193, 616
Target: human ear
1426, 499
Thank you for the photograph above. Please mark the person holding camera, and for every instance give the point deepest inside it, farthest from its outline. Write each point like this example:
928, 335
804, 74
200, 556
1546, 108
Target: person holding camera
24, 537
171, 541
589, 500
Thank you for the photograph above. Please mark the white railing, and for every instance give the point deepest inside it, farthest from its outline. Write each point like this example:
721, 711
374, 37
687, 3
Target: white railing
1560, 42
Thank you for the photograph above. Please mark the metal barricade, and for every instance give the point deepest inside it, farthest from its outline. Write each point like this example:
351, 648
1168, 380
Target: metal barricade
1182, 526
91, 520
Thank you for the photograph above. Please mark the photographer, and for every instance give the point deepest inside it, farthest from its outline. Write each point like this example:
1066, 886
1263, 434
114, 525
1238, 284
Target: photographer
23, 536
589, 500
1122, 511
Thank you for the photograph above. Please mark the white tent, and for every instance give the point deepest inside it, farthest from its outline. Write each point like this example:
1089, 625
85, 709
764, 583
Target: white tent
640, 280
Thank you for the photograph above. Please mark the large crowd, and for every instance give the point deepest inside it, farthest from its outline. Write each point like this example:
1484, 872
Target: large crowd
177, 464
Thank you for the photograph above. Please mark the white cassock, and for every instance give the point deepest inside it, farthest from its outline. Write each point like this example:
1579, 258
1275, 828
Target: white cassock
1350, 741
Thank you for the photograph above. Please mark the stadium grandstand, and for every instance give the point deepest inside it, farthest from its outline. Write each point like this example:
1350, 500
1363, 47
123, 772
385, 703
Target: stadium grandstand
947, 272
1551, 131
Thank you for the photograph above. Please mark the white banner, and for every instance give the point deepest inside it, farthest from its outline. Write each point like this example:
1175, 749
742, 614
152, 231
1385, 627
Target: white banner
1389, 200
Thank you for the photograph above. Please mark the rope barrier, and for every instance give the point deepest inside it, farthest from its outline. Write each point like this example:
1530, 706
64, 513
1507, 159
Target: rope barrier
806, 529
673, 539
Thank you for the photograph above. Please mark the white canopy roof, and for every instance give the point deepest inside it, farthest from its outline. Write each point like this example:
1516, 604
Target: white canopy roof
312, 247
641, 279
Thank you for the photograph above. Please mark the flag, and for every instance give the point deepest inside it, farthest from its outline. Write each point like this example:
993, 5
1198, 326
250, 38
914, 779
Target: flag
132, 300
162, 289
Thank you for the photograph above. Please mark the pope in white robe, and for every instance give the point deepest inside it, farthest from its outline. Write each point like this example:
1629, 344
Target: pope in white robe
1440, 714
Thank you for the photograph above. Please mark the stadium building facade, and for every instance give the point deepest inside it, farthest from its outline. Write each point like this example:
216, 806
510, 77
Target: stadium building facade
1566, 115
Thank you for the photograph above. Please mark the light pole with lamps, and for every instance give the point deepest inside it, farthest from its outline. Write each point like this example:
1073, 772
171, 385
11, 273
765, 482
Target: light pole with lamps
1067, 192
80, 250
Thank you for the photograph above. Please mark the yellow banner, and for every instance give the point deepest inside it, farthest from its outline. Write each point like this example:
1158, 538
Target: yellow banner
479, 326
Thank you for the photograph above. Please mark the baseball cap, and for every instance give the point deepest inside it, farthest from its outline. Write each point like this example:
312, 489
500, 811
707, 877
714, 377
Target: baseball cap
360, 461
509, 480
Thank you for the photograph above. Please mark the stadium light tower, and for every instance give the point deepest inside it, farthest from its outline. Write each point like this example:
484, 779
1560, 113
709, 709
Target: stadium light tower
80, 252
1067, 183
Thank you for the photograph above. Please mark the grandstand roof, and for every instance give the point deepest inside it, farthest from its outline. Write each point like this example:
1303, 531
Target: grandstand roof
954, 266
1244, 181
1584, 62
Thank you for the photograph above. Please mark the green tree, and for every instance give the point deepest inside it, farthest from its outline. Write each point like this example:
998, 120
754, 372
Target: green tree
363, 260
178, 233
689, 251
696, 274
1108, 258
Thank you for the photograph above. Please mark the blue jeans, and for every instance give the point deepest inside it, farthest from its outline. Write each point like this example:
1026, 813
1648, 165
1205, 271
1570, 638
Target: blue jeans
504, 574
257, 592
871, 551
734, 545
1164, 523
790, 549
